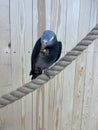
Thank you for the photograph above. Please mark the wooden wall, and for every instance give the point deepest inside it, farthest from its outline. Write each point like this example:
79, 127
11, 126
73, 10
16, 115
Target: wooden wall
70, 100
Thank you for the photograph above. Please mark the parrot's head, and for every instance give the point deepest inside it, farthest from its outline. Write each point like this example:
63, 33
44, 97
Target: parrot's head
48, 39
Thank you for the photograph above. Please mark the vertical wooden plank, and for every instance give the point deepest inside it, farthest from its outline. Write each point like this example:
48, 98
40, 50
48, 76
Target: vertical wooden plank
69, 73
78, 91
15, 43
41, 17
47, 13
67, 100
58, 20
83, 28
61, 29
97, 13
58, 93
25, 37
6, 118
16, 63
5, 50
72, 23
4, 33
38, 108
51, 105
84, 20
93, 16
89, 73
80, 68
95, 91
93, 110
55, 13
34, 111
35, 22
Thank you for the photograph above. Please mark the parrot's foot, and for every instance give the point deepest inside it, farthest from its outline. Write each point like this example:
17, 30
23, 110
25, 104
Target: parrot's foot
47, 73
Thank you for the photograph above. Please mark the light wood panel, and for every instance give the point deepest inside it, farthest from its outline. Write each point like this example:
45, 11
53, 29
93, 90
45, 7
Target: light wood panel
89, 73
80, 68
5, 51
70, 100
93, 115
69, 74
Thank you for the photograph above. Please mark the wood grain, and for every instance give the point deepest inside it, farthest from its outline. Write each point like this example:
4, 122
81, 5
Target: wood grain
69, 101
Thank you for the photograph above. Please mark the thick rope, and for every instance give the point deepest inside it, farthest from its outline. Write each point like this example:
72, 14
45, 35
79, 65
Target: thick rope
53, 71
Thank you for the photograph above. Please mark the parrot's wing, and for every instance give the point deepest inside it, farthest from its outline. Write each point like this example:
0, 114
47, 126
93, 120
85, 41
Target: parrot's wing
59, 50
36, 51
34, 56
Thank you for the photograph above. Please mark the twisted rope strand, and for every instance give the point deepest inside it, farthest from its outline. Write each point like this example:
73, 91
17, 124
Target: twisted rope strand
53, 71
